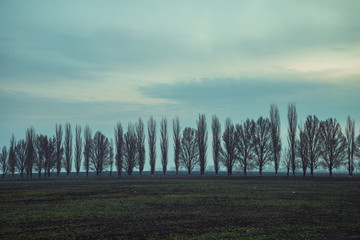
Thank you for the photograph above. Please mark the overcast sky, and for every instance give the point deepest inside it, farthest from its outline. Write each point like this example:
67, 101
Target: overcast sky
100, 62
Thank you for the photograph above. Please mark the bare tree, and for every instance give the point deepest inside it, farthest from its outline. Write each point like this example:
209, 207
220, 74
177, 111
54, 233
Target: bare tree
229, 154
140, 134
40, 146
88, 149
292, 119
49, 155
287, 160
119, 142
201, 137
262, 143
78, 149
3, 161
216, 144
100, 153
177, 143
164, 142
130, 150
12, 157
244, 144
111, 162
312, 134
59, 148
275, 135
350, 144
152, 143
333, 144
302, 150
68, 149
357, 147
20, 153
189, 153
30, 151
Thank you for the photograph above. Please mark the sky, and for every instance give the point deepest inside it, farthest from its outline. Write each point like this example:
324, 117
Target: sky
99, 62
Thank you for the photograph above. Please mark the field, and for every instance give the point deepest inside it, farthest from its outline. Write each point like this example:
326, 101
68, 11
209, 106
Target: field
179, 208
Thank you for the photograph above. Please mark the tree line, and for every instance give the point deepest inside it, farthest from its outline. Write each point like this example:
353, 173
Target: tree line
249, 145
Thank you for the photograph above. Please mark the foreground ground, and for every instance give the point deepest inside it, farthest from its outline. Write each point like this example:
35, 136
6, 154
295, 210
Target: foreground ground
179, 208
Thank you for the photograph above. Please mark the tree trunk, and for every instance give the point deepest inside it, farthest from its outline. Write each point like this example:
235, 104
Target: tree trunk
229, 171
350, 169
202, 171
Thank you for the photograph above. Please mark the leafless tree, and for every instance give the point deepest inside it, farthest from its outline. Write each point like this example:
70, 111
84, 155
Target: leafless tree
229, 154
312, 136
216, 144
88, 149
333, 144
292, 119
287, 160
119, 142
49, 155
78, 149
140, 134
30, 151
40, 146
244, 144
3, 161
111, 163
275, 135
130, 149
164, 142
189, 153
357, 147
100, 153
68, 149
12, 157
20, 153
302, 150
152, 143
262, 143
201, 137
350, 144
59, 148
177, 143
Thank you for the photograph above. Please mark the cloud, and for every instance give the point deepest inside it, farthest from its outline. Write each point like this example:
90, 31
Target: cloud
98, 62
253, 95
